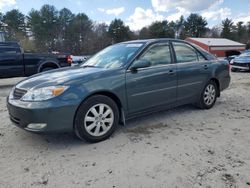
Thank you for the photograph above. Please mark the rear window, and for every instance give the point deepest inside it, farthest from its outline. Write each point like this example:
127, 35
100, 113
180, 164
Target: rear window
204, 52
185, 53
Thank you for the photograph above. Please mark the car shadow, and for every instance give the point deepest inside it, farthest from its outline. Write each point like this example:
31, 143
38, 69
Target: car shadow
138, 125
160, 115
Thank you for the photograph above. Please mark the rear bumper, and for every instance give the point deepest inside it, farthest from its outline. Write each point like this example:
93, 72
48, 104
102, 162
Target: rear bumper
54, 118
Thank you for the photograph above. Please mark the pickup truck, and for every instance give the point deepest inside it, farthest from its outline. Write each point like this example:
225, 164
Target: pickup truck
15, 63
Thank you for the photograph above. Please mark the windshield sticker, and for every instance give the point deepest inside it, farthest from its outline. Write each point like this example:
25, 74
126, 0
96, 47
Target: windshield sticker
136, 45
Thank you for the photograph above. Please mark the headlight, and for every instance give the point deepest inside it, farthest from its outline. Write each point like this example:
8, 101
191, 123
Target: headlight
45, 93
11, 95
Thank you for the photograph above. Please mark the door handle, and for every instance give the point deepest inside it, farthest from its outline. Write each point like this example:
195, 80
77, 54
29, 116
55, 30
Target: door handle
205, 66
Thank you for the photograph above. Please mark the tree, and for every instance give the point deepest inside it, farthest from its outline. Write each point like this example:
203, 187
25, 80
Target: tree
158, 29
195, 25
180, 28
144, 33
14, 22
101, 38
118, 31
65, 18
248, 29
2, 25
49, 18
161, 29
80, 31
171, 31
215, 32
241, 32
227, 29
43, 26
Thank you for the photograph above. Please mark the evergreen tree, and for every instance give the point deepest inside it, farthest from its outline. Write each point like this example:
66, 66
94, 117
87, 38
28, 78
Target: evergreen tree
227, 29
195, 25
14, 22
118, 31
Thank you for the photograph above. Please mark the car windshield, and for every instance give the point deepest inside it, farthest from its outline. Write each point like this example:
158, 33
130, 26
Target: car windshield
113, 56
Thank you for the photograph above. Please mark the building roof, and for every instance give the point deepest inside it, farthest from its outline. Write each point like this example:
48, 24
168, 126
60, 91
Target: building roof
217, 42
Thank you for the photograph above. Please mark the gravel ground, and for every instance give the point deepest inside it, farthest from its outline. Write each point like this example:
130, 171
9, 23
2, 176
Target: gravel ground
183, 147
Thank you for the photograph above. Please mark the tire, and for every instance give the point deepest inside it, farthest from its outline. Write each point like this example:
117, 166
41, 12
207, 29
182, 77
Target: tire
47, 69
208, 96
234, 69
91, 124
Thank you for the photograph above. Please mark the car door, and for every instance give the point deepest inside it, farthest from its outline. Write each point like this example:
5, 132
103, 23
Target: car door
11, 63
192, 72
154, 85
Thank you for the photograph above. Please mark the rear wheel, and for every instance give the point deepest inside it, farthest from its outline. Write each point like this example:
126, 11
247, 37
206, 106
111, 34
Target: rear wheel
96, 119
208, 96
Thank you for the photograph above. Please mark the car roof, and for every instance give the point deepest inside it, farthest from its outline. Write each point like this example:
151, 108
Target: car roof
153, 40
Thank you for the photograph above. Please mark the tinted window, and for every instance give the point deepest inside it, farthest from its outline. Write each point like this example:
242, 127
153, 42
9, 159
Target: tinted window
185, 53
9, 50
158, 54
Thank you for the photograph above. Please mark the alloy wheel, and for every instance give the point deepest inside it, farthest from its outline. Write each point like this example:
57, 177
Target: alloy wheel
99, 120
209, 94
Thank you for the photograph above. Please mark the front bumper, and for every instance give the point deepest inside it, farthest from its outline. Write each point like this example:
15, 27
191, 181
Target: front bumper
241, 66
58, 116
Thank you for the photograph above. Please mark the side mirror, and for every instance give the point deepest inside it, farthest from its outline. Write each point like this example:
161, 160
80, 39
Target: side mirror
139, 64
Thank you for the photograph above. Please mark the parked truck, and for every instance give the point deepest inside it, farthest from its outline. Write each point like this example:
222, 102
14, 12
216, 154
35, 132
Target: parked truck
15, 63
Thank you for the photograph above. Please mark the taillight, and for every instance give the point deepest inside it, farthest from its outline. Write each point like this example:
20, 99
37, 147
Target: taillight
69, 59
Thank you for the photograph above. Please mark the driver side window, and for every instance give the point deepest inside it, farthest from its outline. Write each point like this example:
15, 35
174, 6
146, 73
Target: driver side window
156, 55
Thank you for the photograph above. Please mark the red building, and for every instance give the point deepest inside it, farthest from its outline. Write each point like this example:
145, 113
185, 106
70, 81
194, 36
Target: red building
218, 46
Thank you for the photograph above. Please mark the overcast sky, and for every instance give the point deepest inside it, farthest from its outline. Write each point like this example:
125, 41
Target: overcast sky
139, 13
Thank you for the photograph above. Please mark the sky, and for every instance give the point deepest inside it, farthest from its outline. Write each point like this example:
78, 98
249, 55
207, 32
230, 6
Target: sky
139, 13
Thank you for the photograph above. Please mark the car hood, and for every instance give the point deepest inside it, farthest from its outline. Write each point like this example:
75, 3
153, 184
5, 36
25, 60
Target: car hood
242, 59
64, 76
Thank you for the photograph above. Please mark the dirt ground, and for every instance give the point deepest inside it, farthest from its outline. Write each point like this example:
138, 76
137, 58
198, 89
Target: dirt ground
183, 147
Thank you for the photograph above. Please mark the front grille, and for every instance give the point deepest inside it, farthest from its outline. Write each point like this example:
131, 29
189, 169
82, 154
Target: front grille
18, 93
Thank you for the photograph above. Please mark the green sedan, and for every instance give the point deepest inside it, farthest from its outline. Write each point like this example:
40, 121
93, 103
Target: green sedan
122, 81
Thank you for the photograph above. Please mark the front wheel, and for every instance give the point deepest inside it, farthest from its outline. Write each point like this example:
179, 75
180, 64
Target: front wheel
208, 96
234, 69
96, 119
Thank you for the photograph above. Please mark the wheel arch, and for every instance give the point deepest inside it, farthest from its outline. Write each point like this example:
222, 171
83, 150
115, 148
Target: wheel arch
109, 94
217, 83
48, 63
